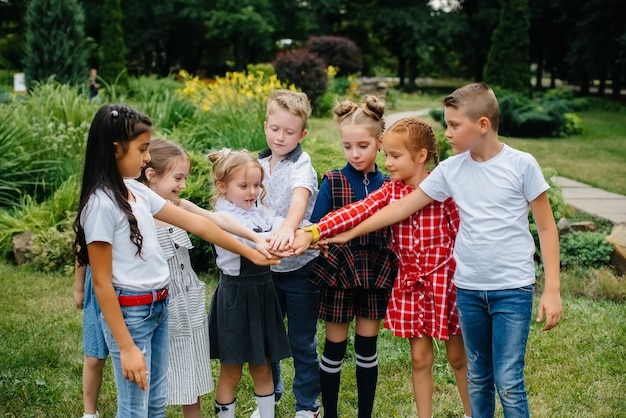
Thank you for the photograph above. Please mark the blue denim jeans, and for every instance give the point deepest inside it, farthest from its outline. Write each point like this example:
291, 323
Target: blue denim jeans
299, 301
148, 326
495, 326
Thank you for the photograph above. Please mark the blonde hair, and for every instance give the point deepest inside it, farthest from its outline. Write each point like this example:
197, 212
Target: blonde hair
227, 163
369, 114
163, 154
416, 135
476, 100
293, 102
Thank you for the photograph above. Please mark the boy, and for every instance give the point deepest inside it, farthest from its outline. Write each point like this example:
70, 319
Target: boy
493, 186
291, 184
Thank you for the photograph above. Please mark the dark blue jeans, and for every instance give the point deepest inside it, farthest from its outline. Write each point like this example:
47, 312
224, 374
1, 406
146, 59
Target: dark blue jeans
495, 326
299, 302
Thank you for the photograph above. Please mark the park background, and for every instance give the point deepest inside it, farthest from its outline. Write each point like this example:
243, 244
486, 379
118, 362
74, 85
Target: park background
203, 69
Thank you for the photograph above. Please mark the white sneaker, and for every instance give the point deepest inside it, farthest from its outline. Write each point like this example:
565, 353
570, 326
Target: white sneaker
96, 415
309, 414
256, 414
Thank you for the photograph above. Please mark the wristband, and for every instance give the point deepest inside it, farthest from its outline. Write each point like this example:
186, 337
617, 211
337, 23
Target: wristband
313, 228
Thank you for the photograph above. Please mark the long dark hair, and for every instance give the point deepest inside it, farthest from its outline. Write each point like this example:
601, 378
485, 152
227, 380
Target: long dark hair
112, 123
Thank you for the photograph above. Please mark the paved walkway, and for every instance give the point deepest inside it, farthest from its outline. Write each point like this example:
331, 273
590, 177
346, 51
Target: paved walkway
580, 196
597, 202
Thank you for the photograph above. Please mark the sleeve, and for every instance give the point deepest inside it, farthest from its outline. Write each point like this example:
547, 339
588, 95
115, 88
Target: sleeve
323, 204
303, 174
153, 201
351, 215
534, 181
452, 215
99, 219
435, 185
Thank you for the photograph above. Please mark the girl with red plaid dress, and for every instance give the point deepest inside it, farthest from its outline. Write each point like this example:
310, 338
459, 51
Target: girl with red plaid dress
422, 305
355, 278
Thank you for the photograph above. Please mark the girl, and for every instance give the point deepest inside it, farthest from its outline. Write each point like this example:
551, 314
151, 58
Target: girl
422, 305
245, 321
355, 278
189, 373
116, 236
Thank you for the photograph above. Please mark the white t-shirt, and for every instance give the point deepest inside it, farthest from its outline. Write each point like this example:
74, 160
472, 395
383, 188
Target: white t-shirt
104, 221
494, 248
295, 170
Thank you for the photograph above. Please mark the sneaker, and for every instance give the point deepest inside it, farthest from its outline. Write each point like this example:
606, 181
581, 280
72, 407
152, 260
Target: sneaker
96, 415
309, 414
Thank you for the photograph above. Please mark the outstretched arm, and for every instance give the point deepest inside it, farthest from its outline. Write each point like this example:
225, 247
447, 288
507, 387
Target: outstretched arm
550, 303
210, 232
229, 224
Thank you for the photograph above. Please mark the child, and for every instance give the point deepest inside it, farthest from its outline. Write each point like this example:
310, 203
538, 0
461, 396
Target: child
94, 346
493, 186
355, 278
245, 320
422, 303
291, 184
189, 373
116, 236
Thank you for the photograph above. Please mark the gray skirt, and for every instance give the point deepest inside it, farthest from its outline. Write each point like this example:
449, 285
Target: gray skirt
245, 320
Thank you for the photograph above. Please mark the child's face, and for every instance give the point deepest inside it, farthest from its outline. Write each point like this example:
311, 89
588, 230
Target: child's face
462, 132
243, 188
359, 147
400, 163
283, 132
170, 184
136, 156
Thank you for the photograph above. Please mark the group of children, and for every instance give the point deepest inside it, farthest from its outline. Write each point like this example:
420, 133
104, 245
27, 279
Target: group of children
435, 254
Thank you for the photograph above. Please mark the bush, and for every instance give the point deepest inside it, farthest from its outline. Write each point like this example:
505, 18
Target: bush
585, 249
337, 51
304, 69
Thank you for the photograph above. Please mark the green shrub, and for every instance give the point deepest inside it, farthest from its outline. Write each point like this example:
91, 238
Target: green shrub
304, 69
266, 69
586, 249
52, 249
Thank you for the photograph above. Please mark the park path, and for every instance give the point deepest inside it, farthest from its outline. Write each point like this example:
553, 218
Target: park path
580, 196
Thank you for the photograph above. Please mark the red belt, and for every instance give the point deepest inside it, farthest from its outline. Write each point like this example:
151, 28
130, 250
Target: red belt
146, 299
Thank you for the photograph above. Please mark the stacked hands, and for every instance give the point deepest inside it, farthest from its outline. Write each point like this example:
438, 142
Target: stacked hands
286, 243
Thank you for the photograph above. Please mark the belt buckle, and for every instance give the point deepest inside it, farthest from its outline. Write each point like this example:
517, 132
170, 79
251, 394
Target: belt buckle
162, 294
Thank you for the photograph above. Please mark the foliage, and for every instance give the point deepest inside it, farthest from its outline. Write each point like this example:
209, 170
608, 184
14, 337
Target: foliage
54, 43
112, 46
586, 249
232, 110
509, 57
338, 89
338, 51
303, 69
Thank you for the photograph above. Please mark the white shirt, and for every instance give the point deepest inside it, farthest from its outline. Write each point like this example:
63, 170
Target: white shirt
104, 221
295, 170
261, 219
494, 248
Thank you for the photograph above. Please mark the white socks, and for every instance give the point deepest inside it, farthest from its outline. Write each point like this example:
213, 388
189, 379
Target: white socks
266, 405
225, 411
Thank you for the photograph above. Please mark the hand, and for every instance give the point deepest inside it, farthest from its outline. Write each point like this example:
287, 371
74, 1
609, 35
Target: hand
282, 239
263, 246
134, 366
260, 259
321, 247
340, 238
79, 299
302, 241
551, 305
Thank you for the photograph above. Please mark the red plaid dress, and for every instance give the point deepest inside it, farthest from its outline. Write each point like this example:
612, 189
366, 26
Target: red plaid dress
423, 299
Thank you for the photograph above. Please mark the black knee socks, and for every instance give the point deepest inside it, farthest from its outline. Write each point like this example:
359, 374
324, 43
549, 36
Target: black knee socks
330, 375
366, 373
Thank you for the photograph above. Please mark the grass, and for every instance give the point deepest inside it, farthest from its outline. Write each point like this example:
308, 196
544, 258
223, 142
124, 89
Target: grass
576, 369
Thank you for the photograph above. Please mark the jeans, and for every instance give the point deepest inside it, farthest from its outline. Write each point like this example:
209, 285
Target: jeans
148, 326
495, 326
299, 301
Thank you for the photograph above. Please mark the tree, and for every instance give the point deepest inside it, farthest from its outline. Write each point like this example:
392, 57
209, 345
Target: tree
508, 62
54, 44
112, 46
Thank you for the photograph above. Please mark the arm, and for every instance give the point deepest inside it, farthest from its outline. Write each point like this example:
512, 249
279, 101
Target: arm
131, 358
284, 236
389, 215
550, 303
79, 285
228, 224
210, 232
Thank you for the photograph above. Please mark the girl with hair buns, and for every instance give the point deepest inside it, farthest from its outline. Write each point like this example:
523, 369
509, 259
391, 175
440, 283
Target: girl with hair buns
245, 320
355, 278
422, 305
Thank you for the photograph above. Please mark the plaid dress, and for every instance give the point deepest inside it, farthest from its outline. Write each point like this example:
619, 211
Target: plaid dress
366, 261
423, 299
